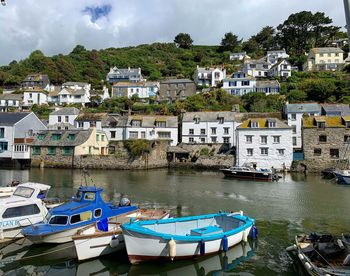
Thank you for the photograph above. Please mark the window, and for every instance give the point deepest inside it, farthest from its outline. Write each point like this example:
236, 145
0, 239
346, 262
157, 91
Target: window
334, 153
249, 139
213, 139
3, 146
66, 119
197, 120
264, 151
71, 137
203, 140
55, 137
321, 125
136, 123
97, 137
221, 120
263, 139
317, 152
164, 134
232, 83
254, 124
2, 132
203, 131
276, 139
160, 124
191, 140
250, 152
89, 196
213, 130
36, 150
112, 134
97, 213
294, 129
293, 116
133, 134
280, 152
81, 217
59, 119
21, 211
58, 220
191, 131
51, 150
143, 134
41, 137
81, 124
245, 83
226, 130
67, 151
322, 139
346, 138
226, 140
271, 124
294, 141
23, 192
347, 124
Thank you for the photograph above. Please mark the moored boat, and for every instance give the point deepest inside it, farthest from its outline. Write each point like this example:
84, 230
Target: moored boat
249, 173
96, 240
321, 254
342, 176
185, 237
24, 207
63, 222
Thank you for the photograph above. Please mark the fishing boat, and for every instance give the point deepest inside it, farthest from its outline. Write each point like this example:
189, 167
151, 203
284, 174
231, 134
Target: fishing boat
342, 176
250, 173
9, 189
321, 254
93, 241
85, 208
24, 207
186, 237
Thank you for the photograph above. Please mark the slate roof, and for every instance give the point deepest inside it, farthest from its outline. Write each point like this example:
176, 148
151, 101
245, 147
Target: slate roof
115, 120
267, 83
72, 91
210, 116
66, 111
303, 108
134, 84
16, 97
331, 121
36, 77
176, 81
263, 123
55, 91
150, 121
335, 109
73, 83
11, 118
81, 136
91, 117
257, 61
326, 50
207, 70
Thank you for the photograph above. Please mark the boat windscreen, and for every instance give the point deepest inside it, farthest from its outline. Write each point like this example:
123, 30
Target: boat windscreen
58, 220
24, 192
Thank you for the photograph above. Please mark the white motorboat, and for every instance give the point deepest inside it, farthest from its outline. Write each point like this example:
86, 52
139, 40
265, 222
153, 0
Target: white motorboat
23, 208
91, 242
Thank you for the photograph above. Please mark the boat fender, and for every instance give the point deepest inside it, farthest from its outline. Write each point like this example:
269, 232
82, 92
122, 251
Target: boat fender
301, 257
340, 244
245, 236
114, 242
291, 248
308, 266
202, 248
224, 244
254, 232
172, 249
347, 260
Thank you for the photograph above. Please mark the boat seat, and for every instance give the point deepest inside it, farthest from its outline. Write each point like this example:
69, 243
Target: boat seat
306, 247
206, 231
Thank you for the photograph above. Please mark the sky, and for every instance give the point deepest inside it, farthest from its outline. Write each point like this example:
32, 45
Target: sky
56, 26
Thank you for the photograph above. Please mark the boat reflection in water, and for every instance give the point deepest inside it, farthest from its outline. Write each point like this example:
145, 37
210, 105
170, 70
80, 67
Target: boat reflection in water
47, 260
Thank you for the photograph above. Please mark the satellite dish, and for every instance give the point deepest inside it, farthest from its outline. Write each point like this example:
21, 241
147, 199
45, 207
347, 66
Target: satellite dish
3, 2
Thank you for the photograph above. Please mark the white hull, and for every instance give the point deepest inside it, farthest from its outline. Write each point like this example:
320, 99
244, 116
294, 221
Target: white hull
141, 247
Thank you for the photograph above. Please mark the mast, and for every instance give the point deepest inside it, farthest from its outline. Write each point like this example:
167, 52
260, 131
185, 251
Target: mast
347, 15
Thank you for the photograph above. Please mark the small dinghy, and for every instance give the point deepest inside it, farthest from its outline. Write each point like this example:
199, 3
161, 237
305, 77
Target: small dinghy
104, 238
186, 237
321, 254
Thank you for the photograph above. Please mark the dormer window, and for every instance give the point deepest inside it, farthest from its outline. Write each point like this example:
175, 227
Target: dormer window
136, 123
271, 124
254, 124
197, 120
160, 124
321, 125
221, 120
41, 137
347, 124
71, 136
56, 137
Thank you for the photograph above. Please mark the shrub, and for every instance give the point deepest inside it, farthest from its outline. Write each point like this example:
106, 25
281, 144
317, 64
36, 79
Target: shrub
204, 152
137, 147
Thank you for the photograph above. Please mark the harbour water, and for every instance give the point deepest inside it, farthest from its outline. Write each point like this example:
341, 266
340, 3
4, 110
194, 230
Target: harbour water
295, 204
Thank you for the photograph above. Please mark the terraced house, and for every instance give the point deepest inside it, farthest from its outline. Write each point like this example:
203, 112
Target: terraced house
325, 140
60, 147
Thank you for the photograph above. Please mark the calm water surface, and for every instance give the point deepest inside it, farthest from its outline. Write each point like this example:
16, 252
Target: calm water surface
295, 204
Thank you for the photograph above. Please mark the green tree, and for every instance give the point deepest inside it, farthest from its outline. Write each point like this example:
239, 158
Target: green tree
295, 96
318, 90
265, 39
230, 42
183, 40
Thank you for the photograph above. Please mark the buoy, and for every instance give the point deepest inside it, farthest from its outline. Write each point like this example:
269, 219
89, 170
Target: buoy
202, 248
172, 249
340, 244
346, 260
308, 266
301, 257
291, 248
224, 244
245, 236
114, 242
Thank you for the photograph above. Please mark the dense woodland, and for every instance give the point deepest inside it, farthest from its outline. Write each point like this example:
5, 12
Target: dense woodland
297, 34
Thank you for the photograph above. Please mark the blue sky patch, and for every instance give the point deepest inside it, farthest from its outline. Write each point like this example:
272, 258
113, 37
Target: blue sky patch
97, 12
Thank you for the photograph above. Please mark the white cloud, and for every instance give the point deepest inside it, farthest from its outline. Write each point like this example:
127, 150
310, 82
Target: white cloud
57, 26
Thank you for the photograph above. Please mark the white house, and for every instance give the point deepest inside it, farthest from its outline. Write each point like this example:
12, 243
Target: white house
89, 120
63, 118
267, 142
143, 127
74, 92
325, 58
35, 96
281, 68
17, 131
209, 127
239, 84
10, 101
256, 68
126, 75
209, 76
144, 90
268, 86
239, 56
294, 114
274, 56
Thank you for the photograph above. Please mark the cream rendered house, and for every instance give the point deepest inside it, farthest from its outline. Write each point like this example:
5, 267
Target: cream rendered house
326, 58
